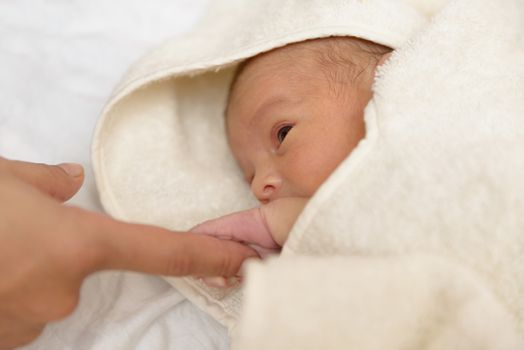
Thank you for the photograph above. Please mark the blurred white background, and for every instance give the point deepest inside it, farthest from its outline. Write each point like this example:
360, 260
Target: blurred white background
59, 60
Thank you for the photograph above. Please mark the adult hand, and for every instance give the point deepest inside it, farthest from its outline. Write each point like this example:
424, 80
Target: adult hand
47, 249
248, 226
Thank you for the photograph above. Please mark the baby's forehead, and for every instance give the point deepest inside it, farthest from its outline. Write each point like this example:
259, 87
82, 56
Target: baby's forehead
331, 56
335, 62
285, 62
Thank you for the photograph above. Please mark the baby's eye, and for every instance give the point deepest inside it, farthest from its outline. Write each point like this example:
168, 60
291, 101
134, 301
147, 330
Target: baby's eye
282, 132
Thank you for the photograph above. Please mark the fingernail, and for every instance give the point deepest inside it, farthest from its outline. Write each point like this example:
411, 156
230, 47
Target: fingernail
215, 282
72, 169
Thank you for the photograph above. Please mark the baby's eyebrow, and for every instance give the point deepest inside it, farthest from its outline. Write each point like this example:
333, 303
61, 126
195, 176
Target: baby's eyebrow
269, 104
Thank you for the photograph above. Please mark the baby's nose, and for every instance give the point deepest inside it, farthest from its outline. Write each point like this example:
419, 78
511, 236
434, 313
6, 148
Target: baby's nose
265, 188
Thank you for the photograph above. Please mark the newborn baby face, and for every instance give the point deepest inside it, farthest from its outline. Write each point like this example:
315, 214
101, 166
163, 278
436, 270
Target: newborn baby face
294, 116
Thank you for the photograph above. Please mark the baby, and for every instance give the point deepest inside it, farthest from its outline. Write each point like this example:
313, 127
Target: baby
293, 115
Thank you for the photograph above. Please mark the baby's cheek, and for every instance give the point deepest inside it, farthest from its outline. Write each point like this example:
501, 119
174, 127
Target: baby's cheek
309, 170
316, 165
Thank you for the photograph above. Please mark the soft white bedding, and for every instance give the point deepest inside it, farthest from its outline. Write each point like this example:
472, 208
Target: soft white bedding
59, 62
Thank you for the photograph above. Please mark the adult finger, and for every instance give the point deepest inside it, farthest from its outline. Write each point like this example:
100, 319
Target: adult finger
15, 333
159, 251
58, 181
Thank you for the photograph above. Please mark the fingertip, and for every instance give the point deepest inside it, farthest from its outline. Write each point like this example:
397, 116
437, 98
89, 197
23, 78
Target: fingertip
221, 282
73, 170
60, 181
215, 282
66, 181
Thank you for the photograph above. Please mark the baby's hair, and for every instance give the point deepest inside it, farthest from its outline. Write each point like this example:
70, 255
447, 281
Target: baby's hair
342, 59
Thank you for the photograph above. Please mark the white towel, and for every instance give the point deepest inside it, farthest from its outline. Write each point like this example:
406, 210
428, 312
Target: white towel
160, 155
438, 174
428, 211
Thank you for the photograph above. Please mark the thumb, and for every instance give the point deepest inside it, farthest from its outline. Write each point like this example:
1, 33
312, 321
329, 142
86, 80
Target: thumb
59, 181
159, 251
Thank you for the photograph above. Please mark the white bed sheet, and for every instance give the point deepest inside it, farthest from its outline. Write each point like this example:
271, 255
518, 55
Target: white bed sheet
59, 61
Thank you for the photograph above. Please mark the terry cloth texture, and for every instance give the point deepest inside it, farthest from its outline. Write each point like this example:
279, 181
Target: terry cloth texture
431, 201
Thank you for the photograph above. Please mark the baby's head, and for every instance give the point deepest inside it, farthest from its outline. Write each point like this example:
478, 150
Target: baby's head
296, 112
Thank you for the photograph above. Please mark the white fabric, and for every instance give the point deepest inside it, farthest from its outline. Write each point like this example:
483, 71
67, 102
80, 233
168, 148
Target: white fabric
439, 172
365, 302
429, 207
59, 62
